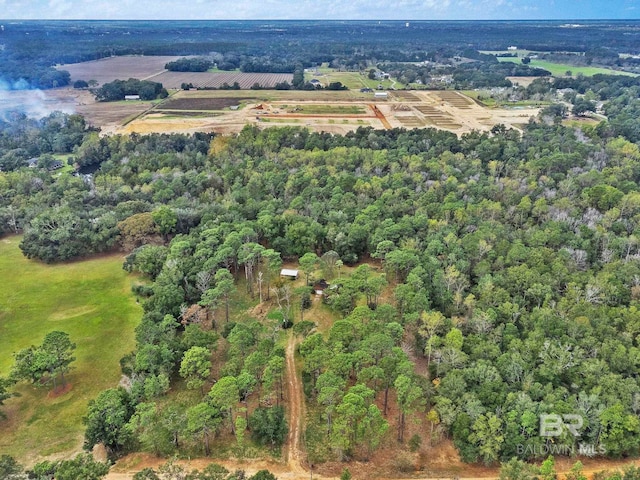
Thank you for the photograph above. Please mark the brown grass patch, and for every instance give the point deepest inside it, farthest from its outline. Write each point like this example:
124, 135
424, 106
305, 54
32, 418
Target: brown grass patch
60, 390
202, 104
405, 96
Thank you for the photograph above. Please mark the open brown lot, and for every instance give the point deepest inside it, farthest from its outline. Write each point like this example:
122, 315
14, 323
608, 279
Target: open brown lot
448, 110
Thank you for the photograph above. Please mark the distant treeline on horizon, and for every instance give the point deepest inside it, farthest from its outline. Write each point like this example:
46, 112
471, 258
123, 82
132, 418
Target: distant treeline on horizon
31, 48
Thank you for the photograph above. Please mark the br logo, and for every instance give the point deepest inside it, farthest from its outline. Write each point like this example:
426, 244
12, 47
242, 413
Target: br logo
553, 425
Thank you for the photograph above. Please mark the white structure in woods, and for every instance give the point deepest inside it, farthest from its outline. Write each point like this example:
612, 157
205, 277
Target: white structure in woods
286, 272
132, 97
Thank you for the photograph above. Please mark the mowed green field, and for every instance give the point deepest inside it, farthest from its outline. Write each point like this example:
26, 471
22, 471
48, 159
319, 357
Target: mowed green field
91, 300
352, 80
560, 69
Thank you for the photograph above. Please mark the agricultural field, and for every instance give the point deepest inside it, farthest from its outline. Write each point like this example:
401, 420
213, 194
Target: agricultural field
561, 69
218, 79
227, 111
109, 69
90, 300
152, 68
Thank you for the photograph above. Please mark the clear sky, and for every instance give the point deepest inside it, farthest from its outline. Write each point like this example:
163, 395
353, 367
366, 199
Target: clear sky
320, 9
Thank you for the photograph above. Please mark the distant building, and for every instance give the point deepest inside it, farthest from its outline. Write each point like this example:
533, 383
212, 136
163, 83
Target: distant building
55, 165
381, 95
132, 97
316, 83
512, 48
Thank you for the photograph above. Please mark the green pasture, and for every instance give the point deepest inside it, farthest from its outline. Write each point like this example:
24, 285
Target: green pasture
352, 80
90, 300
560, 69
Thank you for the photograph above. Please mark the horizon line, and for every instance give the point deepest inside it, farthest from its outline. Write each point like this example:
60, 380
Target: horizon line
320, 19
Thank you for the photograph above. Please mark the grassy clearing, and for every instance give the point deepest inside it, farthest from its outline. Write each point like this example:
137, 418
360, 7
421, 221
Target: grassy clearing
560, 69
90, 300
482, 96
352, 80
485, 98
316, 109
582, 122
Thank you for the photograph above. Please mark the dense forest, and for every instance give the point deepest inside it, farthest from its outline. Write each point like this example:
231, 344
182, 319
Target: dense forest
506, 264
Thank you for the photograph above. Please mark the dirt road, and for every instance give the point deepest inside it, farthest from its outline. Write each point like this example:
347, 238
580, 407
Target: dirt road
292, 451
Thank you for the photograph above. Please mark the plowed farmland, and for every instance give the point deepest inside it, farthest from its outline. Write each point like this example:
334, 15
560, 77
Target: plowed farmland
217, 80
152, 68
118, 68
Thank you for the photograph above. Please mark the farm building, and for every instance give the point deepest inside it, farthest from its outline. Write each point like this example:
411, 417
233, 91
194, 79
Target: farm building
381, 94
55, 165
286, 272
132, 97
316, 83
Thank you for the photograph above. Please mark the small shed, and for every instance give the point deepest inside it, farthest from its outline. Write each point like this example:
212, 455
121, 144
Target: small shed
381, 94
320, 286
132, 97
289, 273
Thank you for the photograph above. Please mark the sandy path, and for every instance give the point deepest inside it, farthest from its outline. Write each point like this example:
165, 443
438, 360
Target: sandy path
292, 451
